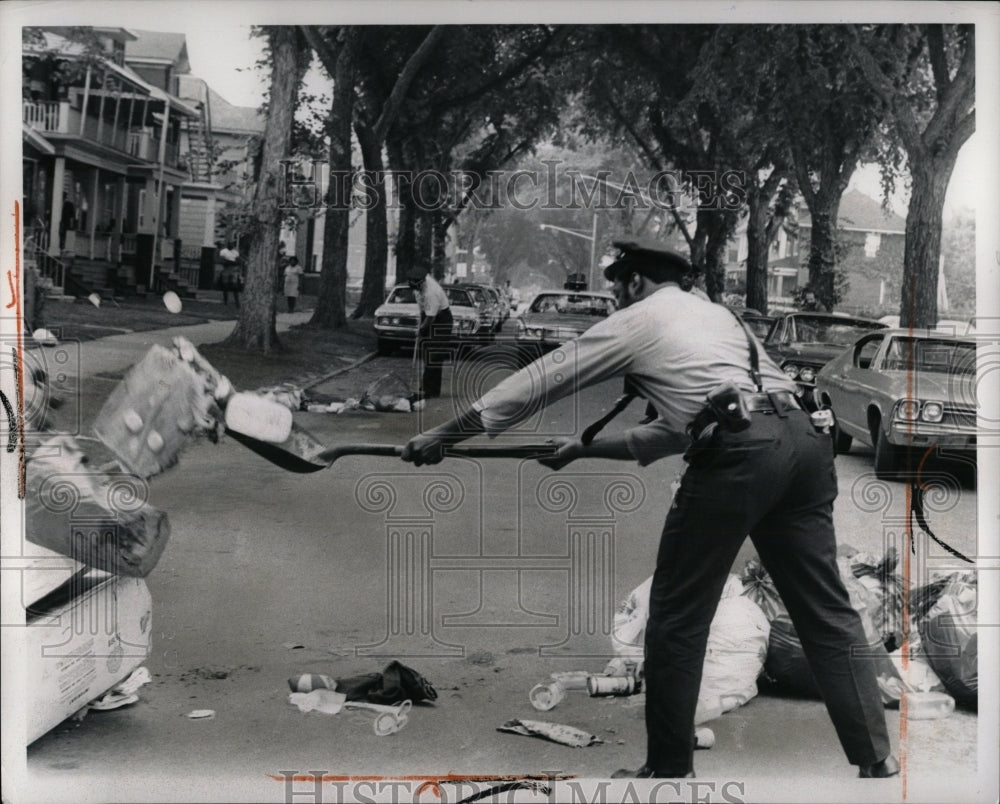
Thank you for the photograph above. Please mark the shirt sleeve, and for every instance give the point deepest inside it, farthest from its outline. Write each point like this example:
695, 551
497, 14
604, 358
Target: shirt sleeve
655, 440
601, 352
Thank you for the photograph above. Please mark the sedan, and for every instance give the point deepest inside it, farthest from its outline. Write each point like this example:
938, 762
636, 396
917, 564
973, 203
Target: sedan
903, 392
802, 343
397, 320
557, 316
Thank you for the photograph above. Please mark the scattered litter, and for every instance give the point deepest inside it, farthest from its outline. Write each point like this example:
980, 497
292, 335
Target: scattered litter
927, 705
704, 738
554, 732
123, 693
285, 394
546, 696
307, 682
572, 679
172, 302
390, 393
201, 714
320, 700
113, 700
94, 299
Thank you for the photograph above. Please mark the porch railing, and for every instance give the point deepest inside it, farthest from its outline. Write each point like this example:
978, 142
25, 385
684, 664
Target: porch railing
42, 115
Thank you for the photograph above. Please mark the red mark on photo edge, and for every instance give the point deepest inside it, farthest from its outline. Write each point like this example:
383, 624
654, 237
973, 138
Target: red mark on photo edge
429, 783
19, 348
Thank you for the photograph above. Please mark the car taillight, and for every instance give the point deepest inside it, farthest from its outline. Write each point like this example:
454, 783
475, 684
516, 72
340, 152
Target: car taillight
932, 412
908, 410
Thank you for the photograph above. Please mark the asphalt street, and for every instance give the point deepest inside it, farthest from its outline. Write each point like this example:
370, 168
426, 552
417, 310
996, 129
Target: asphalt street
485, 576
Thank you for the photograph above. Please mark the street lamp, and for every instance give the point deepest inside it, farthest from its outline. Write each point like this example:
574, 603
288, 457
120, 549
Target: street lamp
592, 237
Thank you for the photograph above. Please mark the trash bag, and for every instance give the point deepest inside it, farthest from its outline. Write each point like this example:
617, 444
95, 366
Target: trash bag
758, 587
886, 585
737, 647
389, 385
737, 644
787, 668
395, 683
950, 640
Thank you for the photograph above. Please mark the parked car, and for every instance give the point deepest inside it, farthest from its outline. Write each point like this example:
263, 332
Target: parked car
903, 391
802, 343
489, 306
759, 323
396, 321
557, 316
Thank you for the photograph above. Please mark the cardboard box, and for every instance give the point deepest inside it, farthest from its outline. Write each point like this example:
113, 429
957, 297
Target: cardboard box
42, 570
82, 639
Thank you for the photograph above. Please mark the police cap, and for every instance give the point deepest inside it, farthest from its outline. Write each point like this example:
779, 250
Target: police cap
415, 276
651, 260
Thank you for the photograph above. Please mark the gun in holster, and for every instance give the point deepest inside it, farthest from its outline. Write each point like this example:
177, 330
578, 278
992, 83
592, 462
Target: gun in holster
725, 406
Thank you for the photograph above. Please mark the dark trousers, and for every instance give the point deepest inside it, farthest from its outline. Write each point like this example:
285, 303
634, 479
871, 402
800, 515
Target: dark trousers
291, 303
435, 348
775, 481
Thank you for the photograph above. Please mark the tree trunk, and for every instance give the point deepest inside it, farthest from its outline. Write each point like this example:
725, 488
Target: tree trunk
757, 253
403, 246
922, 252
376, 227
332, 300
423, 237
439, 257
255, 326
823, 248
715, 252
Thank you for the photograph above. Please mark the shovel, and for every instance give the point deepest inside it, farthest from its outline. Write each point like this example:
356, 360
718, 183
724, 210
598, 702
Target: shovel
302, 453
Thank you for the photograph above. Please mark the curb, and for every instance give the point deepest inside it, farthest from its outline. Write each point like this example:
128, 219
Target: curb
342, 370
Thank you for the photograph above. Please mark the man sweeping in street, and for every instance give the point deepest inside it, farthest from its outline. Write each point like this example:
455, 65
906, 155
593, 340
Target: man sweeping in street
756, 465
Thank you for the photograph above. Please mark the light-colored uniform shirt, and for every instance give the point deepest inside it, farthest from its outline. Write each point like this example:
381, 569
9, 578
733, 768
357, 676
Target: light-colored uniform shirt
432, 299
292, 274
675, 348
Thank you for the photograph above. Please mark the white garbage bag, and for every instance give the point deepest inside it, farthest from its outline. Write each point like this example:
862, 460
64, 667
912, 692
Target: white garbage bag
737, 645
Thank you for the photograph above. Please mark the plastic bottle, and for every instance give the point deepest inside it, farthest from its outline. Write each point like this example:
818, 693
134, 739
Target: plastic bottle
927, 705
545, 696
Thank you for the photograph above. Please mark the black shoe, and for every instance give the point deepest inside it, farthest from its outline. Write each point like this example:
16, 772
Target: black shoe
880, 770
646, 772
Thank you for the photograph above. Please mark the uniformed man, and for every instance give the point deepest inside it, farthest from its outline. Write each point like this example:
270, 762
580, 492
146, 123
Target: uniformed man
434, 333
756, 466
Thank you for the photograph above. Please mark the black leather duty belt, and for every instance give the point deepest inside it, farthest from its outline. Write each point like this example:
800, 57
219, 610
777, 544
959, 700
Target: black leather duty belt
775, 401
759, 402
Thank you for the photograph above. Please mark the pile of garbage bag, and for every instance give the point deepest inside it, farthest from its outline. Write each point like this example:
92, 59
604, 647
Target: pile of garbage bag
940, 640
753, 640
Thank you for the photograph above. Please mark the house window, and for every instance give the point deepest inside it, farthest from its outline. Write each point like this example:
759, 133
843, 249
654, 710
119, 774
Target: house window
872, 241
734, 255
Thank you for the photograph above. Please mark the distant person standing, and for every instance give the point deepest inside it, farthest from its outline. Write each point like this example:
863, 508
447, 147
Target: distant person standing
67, 221
434, 332
292, 273
231, 280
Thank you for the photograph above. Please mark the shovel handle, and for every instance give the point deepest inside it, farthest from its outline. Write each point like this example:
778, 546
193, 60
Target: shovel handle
394, 450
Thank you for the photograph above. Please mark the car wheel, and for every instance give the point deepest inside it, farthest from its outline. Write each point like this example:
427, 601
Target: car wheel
383, 347
889, 459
